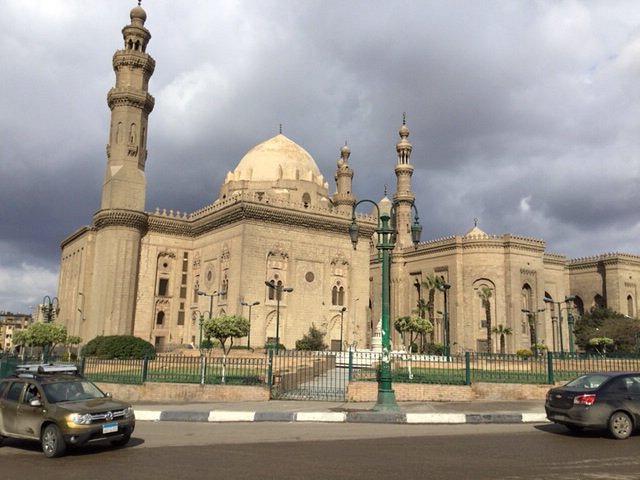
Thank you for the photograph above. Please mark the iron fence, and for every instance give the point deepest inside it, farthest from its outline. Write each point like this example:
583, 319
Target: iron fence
325, 375
177, 369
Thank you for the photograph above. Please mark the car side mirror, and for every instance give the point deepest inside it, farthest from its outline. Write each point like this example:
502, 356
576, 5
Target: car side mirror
108, 394
35, 402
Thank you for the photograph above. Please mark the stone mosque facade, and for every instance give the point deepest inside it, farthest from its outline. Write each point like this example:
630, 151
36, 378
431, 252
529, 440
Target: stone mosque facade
137, 272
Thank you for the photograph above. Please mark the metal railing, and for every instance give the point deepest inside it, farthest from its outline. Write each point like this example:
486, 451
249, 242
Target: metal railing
300, 374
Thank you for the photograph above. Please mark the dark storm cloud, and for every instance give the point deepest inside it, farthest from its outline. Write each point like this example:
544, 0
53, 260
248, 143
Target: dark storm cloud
522, 114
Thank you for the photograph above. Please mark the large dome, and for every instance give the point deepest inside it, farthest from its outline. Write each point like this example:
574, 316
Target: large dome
277, 158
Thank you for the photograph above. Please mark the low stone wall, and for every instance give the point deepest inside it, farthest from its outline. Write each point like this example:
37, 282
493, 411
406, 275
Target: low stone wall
414, 392
185, 392
356, 392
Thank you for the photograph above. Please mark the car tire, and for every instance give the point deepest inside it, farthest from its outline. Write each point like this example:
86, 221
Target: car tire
121, 442
53, 444
620, 425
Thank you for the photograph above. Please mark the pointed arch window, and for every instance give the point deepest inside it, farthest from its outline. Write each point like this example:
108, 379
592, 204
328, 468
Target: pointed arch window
160, 318
630, 311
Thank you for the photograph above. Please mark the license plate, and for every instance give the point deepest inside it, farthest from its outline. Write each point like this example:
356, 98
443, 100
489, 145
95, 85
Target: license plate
110, 427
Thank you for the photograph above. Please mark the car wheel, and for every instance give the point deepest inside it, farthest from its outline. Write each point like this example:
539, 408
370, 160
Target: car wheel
620, 425
121, 442
53, 445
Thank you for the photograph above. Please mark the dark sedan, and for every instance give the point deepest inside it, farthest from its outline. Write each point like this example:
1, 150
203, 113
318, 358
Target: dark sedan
604, 400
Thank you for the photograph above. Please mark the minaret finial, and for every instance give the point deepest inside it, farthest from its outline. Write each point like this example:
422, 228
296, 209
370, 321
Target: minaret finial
475, 222
280, 129
385, 189
404, 118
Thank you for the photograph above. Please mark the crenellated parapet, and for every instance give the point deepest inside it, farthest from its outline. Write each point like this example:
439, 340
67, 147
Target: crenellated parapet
610, 258
264, 198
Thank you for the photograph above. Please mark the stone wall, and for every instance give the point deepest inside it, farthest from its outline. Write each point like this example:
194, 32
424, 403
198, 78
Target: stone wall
356, 392
184, 392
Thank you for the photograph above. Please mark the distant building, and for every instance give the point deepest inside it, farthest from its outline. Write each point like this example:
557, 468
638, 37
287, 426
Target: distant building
274, 220
10, 323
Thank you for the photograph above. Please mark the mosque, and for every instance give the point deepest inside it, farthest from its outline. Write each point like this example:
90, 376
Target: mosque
275, 247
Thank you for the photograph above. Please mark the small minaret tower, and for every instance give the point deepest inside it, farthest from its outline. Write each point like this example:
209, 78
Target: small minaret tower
343, 198
121, 220
403, 197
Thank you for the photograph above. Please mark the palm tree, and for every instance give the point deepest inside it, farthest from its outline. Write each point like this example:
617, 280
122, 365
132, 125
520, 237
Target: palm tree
502, 331
422, 308
485, 294
432, 283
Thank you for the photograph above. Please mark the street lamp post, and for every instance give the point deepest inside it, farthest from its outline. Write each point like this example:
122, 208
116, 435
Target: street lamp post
444, 288
385, 244
567, 299
278, 289
197, 314
50, 308
250, 305
342, 310
533, 328
210, 295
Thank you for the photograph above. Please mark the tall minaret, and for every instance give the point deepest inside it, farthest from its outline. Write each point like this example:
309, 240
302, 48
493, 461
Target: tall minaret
130, 104
403, 196
343, 197
121, 220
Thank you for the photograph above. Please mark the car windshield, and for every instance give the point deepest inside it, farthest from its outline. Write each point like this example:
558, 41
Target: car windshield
589, 381
71, 391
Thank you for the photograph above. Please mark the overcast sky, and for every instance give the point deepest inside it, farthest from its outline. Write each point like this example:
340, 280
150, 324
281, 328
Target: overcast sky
523, 114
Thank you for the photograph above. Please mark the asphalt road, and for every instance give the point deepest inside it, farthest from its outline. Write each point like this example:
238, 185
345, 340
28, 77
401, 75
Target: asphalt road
184, 451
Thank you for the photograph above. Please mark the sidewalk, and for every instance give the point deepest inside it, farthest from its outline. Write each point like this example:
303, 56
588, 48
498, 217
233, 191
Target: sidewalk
518, 411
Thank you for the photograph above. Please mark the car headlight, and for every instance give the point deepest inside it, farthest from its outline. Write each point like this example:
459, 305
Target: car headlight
80, 418
128, 412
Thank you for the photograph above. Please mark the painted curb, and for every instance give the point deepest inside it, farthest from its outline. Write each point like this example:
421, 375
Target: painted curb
436, 418
226, 416
221, 416
321, 417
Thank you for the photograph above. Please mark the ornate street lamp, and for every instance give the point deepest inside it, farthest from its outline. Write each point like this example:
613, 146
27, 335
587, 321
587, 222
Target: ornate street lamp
197, 314
50, 308
567, 299
278, 289
250, 305
533, 327
444, 288
385, 244
342, 310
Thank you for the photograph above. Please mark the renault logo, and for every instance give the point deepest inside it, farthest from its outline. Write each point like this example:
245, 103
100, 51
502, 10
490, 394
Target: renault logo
108, 416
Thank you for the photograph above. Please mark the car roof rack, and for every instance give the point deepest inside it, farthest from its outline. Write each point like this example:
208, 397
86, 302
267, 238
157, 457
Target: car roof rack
44, 368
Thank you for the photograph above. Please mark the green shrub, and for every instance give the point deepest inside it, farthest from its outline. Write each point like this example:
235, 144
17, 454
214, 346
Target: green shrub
524, 353
434, 349
119, 346
312, 341
270, 344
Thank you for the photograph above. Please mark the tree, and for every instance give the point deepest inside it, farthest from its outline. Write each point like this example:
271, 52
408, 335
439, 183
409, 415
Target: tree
502, 331
600, 344
486, 294
312, 341
414, 326
70, 341
40, 334
223, 329
432, 283
607, 323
